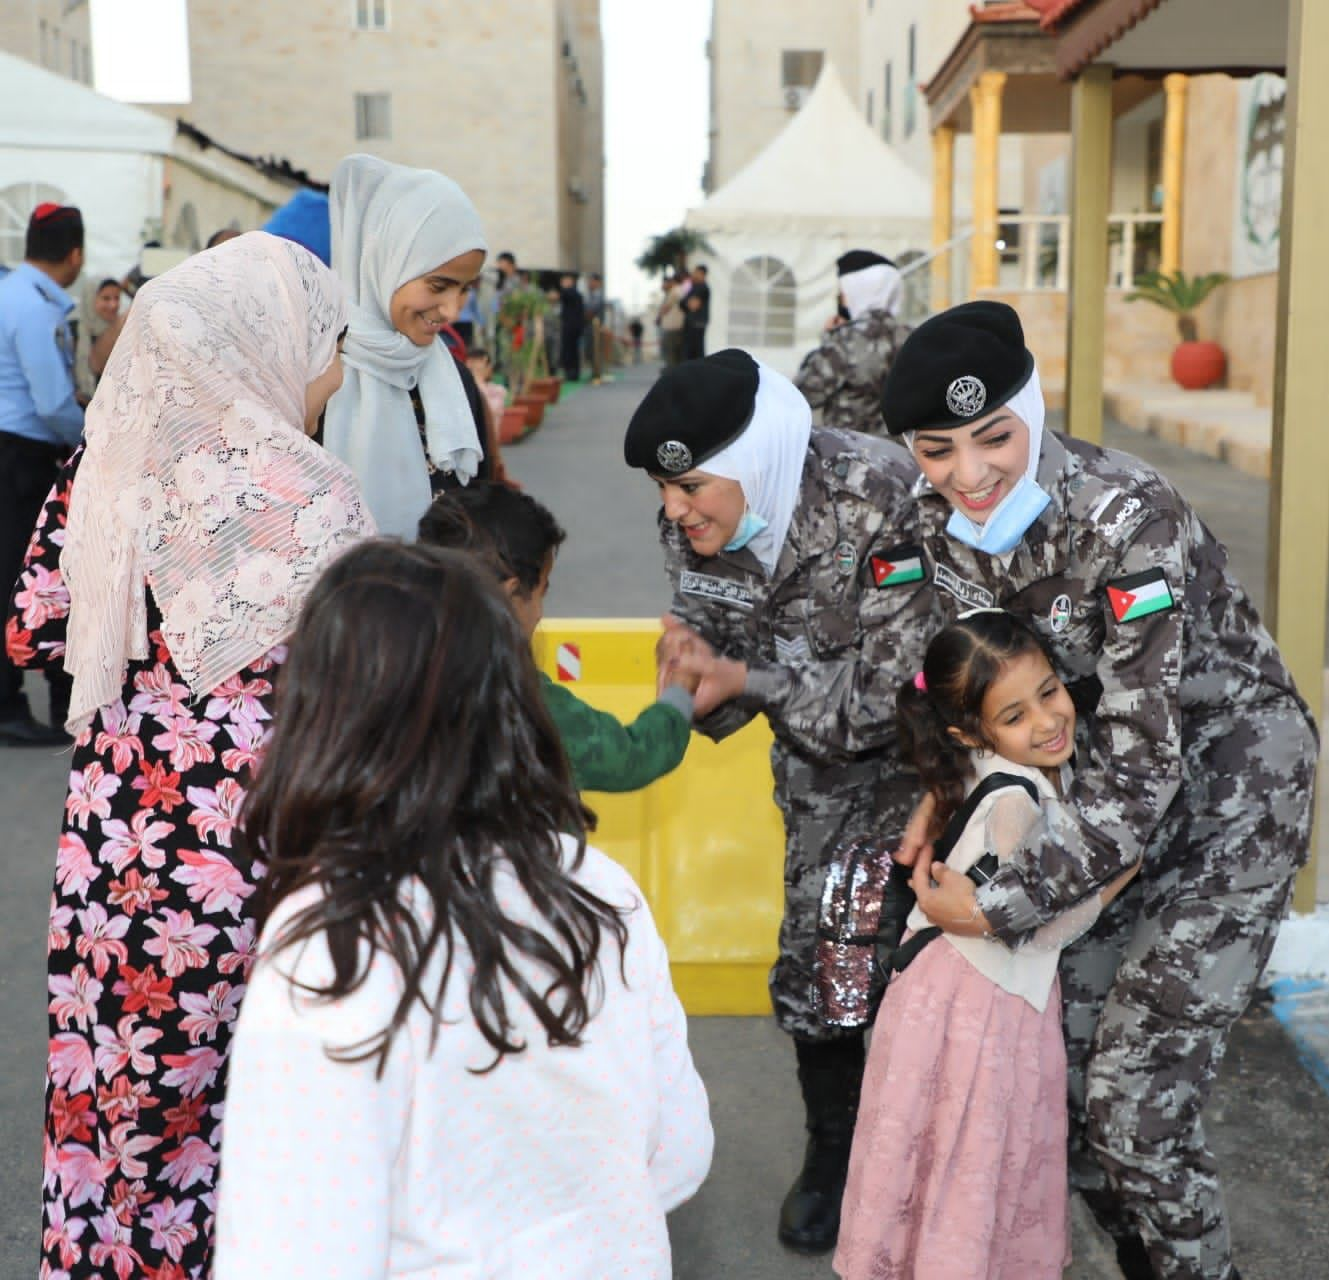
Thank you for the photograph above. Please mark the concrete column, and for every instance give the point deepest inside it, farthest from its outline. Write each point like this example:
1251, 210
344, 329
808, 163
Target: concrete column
985, 102
943, 212
1091, 181
1174, 147
1298, 513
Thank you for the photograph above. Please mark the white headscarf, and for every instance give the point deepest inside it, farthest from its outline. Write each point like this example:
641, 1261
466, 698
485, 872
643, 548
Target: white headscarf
390, 225
767, 460
875, 288
198, 479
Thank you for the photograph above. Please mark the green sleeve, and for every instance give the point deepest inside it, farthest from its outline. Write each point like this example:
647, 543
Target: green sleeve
607, 755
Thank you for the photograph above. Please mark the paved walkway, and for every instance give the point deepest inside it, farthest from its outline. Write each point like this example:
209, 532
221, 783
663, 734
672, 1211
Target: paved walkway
1268, 1118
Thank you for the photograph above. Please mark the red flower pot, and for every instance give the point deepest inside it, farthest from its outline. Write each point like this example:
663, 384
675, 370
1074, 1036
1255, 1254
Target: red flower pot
512, 426
535, 409
546, 388
1196, 365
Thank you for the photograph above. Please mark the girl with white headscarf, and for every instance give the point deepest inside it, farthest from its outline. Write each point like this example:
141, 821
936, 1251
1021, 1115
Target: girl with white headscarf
406, 244
169, 565
798, 595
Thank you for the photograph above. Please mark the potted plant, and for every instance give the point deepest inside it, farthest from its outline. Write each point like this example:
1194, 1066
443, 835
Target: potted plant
522, 316
1195, 365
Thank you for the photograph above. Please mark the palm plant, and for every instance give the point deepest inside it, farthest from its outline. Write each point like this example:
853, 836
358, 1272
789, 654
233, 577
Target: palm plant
670, 251
1177, 292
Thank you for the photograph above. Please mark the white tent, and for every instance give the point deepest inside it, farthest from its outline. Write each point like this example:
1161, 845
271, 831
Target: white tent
825, 184
62, 141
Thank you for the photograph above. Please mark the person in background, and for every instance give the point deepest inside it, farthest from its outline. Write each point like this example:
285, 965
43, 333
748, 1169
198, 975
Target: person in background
571, 326
696, 314
508, 279
481, 365
844, 377
305, 219
595, 318
407, 243
467, 323
670, 318
41, 421
519, 539
106, 306
461, 1053
221, 237
635, 331
553, 330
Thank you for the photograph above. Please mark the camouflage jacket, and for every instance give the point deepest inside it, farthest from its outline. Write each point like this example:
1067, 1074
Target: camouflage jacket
842, 379
1132, 595
842, 621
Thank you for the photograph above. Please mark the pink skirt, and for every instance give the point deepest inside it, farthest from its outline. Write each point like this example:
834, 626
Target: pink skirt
958, 1170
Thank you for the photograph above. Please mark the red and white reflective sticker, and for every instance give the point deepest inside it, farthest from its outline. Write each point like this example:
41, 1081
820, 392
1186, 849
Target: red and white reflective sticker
568, 662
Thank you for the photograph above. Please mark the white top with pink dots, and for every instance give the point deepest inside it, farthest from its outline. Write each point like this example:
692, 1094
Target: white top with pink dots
559, 1163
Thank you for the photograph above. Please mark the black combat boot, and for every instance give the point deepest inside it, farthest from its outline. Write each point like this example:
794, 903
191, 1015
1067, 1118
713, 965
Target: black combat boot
1133, 1259
830, 1073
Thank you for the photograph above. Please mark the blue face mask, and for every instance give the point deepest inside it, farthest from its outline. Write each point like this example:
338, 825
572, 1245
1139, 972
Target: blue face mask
1007, 524
748, 528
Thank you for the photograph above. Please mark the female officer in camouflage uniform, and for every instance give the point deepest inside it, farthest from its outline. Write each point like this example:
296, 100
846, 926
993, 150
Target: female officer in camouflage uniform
797, 596
1199, 756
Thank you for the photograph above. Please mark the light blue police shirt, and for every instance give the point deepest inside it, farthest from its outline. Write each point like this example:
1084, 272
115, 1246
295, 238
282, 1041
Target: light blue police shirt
37, 359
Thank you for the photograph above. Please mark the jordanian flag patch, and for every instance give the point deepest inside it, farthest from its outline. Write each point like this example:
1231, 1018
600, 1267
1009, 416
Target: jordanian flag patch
896, 567
1140, 595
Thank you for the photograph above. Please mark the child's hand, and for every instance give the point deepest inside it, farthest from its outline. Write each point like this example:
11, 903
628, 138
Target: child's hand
916, 833
948, 898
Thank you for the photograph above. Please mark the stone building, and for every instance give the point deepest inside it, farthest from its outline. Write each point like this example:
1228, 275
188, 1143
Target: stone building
55, 34
505, 96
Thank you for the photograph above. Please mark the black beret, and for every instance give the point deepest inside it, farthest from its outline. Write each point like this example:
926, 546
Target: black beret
692, 412
859, 260
955, 366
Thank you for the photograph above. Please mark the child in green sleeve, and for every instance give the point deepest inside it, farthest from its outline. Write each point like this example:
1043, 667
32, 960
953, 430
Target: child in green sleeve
520, 538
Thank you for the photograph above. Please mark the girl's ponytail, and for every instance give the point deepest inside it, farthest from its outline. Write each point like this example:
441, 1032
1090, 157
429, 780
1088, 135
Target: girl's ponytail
927, 744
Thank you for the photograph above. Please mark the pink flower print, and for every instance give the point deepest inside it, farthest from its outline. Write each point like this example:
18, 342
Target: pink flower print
134, 892
69, 1062
101, 938
160, 788
74, 997
158, 694
119, 736
125, 843
74, 867
57, 933
63, 1234
193, 1161
171, 1226
238, 698
214, 881
187, 741
273, 658
83, 1175
126, 1148
242, 957
123, 1100
43, 596
90, 792
191, 1071
113, 1247
180, 943
249, 737
125, 1047
216, 811
142, 989
18, 643
206, 1015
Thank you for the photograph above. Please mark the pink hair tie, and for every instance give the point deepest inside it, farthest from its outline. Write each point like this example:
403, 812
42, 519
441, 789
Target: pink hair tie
920, 683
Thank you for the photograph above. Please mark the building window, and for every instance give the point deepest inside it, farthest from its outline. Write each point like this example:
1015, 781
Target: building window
186, 234
762, 303
886, 105
87, 64
16, 206
45, 40
799, 69
75, 63
911, 84
869, 107
373, 116
369, 15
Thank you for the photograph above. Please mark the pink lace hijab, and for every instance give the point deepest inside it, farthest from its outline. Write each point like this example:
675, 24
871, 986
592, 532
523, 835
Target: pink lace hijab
198, 479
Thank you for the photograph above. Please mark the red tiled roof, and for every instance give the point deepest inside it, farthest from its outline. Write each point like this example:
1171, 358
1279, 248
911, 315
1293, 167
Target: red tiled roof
1053, 11
1007, 11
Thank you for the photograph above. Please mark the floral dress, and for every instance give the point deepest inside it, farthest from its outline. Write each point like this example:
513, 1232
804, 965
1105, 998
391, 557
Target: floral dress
151, 940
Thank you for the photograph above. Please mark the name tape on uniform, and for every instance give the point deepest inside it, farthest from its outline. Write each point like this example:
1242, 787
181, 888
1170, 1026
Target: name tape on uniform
969, 593
567, 662
1139, 595
897, 566
722, 589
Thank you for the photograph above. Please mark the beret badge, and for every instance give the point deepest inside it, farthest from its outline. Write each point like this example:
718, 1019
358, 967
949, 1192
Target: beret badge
674, 457
966, 396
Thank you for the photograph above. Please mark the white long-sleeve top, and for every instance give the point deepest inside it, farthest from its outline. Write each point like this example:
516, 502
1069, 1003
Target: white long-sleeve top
1001, 824
559, 1163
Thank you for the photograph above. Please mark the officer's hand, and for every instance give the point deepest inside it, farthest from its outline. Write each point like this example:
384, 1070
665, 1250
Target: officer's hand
723, 680
679, 645
948, 898
916, 833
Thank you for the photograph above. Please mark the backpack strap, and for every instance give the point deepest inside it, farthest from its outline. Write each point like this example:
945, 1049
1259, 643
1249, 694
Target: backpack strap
980, 873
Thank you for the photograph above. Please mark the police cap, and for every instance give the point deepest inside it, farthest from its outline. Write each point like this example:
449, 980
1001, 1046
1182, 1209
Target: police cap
955, 366
859, 260
692, 412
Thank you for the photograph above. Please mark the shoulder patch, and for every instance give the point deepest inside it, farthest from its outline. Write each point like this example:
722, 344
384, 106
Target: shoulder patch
1139, 595
896, 567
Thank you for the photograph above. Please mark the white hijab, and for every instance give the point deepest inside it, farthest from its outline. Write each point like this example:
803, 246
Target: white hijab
875, 288
767, 461
198, 479
390, 225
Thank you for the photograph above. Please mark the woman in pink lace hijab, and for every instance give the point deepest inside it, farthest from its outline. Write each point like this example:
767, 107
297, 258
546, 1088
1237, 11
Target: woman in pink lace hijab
168, 565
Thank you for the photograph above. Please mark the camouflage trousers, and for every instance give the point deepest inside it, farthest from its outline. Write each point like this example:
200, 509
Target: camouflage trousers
822, 804
1148, 1002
